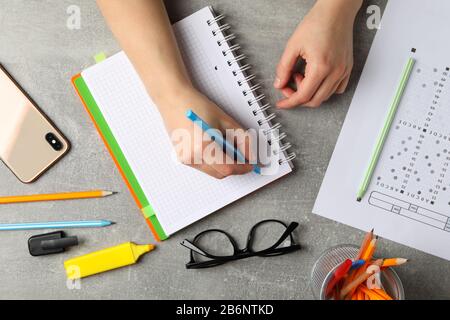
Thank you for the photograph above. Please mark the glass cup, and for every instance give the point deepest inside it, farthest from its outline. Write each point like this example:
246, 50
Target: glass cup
324, 268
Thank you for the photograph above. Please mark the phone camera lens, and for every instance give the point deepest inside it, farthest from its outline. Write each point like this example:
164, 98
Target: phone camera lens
54, 142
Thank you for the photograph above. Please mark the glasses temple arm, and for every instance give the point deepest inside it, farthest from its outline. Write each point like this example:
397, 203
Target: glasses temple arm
286, 233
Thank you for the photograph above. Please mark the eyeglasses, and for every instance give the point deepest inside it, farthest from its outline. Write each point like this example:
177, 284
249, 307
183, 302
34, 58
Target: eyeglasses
207, 248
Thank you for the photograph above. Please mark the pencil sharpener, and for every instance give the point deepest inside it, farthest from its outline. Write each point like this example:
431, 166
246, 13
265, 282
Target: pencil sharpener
50, 243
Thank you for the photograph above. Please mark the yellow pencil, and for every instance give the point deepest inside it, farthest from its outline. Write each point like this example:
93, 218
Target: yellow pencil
56, 196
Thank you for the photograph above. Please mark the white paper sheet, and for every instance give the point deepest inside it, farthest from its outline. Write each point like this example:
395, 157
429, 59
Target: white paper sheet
408, 200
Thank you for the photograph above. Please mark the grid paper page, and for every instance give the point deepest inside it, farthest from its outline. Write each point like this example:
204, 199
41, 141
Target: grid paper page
408, 199
178, 194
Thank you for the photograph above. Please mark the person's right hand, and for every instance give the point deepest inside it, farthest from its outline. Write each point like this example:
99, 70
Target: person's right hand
199, 153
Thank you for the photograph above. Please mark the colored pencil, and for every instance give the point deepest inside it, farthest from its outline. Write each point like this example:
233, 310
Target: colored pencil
352, 286
357, 264
370, 250
55, 225
368, 237
386, 129
340, 273
56, 196
394, 262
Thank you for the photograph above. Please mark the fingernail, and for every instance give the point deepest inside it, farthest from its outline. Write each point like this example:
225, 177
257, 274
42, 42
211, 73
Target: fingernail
277, 83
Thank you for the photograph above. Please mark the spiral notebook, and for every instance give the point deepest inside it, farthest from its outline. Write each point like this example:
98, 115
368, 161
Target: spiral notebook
171, 195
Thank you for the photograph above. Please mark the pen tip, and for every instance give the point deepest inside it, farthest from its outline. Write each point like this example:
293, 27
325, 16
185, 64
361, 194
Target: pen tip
358, 199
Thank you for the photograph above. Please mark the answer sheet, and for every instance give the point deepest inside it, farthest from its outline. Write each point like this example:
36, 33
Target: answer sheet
408, 200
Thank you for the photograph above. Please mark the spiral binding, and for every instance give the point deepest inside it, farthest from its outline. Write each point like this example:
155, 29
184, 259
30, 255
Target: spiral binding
217, 28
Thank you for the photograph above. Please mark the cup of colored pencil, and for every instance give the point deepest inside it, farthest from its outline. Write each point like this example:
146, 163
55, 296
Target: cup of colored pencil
348, 272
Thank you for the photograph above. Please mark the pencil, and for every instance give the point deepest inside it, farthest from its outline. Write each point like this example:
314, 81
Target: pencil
368, 237
383, 294
367, 255
56, 196
386, 129
371, 293
394, 262
352, 286
55, 225
338, 275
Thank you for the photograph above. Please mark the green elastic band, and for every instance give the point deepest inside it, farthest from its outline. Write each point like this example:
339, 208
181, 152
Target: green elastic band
99, 57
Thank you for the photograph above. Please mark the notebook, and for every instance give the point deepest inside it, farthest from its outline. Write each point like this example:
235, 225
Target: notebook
171, 195
408, 199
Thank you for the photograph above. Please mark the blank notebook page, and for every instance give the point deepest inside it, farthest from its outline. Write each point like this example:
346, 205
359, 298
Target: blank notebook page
178, 194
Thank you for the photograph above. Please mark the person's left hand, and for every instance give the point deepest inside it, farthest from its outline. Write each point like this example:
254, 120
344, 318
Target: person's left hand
324, 40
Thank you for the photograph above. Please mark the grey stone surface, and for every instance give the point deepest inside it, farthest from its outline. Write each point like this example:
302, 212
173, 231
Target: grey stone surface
43, 54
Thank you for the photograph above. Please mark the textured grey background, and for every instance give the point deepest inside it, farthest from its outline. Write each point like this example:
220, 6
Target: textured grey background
42, 54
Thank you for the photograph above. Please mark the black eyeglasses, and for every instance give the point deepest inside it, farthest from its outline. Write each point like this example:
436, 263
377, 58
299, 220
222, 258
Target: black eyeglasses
206, 252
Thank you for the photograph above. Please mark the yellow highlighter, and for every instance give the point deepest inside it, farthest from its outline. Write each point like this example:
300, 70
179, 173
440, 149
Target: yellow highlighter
104, 260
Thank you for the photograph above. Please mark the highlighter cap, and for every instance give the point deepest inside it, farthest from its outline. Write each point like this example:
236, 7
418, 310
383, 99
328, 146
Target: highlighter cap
50, 243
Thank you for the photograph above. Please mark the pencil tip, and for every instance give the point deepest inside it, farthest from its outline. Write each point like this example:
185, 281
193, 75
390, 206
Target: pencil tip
358, 199
373, 229
109, 193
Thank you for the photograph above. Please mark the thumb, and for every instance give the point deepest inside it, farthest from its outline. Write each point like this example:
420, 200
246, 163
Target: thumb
285, 67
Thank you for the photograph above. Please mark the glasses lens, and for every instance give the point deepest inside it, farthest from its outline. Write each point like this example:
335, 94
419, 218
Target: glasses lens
213, 243
266, 235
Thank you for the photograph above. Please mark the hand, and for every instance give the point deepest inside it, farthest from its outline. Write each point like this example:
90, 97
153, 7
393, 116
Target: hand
193, 146
324, 40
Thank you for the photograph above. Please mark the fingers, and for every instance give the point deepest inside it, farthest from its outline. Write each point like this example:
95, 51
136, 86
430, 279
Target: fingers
335, 82
286, 66
220, 162
325, 91
208, 170
343, 85
214, 161
315, 74
242, 139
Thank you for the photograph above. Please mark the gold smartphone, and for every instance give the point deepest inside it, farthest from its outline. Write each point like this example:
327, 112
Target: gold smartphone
29, 143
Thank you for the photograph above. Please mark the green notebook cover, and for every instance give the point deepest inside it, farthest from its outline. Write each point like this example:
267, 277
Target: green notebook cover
119, 158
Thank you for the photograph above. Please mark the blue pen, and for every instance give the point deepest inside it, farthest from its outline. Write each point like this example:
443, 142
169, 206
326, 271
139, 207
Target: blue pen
218, 138
55, 225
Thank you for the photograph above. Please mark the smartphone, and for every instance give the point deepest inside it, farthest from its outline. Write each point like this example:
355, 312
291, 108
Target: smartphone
29, 142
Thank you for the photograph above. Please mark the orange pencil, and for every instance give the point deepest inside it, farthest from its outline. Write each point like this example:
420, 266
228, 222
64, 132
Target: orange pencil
367, 255
56, 196
394, 262
352, 286
364, 246
375, 294
361, 295
368, 237
383, 293
359, 278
